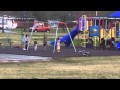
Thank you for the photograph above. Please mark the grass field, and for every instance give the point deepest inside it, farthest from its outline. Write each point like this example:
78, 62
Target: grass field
64, 68
17, 35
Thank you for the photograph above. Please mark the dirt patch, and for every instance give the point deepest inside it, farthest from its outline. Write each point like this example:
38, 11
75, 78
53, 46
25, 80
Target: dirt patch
65, 52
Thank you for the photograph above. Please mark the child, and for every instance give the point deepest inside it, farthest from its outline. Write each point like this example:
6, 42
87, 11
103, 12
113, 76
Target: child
113, 41
102, 45
35, 45
23, 41
58, 44
44, 43
26, 42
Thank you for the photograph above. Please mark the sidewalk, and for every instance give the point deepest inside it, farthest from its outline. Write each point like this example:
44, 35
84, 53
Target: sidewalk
19, 58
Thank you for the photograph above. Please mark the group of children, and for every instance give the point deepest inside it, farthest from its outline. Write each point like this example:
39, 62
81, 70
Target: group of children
44, 44
25, 42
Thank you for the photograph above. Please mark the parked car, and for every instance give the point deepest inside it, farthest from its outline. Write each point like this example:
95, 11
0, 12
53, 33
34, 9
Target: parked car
40, 28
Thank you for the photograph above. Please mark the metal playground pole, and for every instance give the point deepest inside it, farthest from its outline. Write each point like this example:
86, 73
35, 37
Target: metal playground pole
56, 38
71, 38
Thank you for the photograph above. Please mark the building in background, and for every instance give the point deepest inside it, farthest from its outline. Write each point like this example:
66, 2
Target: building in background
7, 22
53, 23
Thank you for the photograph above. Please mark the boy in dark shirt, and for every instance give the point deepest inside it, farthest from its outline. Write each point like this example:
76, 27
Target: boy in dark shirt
102, 45
44, 43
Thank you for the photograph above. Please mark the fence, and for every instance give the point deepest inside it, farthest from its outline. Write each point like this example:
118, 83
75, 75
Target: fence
26, 23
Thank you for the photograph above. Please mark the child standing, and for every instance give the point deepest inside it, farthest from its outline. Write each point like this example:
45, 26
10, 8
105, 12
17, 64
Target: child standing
58, 44
102, 45
35, 45
23, 41
44, 43
26, 42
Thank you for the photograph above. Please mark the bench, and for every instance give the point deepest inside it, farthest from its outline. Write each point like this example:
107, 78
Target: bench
11, 43
2, 45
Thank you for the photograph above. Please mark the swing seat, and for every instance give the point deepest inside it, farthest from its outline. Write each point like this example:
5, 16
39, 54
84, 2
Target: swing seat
84, 53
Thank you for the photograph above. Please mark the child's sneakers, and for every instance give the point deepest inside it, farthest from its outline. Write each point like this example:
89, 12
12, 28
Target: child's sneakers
24, 49
58, 50
35, 48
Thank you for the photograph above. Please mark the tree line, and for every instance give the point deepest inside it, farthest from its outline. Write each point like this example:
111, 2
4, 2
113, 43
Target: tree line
55, 15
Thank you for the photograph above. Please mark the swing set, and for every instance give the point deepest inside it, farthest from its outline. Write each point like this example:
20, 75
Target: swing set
57, 35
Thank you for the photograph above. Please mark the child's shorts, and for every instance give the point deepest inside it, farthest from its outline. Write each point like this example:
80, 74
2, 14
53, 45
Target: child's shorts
44, 44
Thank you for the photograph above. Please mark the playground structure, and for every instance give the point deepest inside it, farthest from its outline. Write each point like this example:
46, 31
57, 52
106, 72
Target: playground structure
93, 30
98, 28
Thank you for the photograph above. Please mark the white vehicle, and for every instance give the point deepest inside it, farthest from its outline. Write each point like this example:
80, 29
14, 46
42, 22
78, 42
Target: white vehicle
53, 23
7, 22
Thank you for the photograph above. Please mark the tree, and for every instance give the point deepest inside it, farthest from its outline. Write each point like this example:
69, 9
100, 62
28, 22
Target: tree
63, 15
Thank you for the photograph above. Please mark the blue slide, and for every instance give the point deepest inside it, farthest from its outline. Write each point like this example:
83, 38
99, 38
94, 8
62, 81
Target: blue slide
66, 39
118, 45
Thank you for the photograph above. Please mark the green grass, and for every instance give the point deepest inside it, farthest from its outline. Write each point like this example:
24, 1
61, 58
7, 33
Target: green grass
16, 37
64, 68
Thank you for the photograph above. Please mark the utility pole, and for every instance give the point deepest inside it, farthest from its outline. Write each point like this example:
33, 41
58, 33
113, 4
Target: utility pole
24, 21
3, 24
21, 14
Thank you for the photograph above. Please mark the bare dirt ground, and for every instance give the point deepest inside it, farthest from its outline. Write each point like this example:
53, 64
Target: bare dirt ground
65, 52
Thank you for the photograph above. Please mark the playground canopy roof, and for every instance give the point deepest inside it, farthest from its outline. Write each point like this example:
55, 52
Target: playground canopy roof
115, 14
